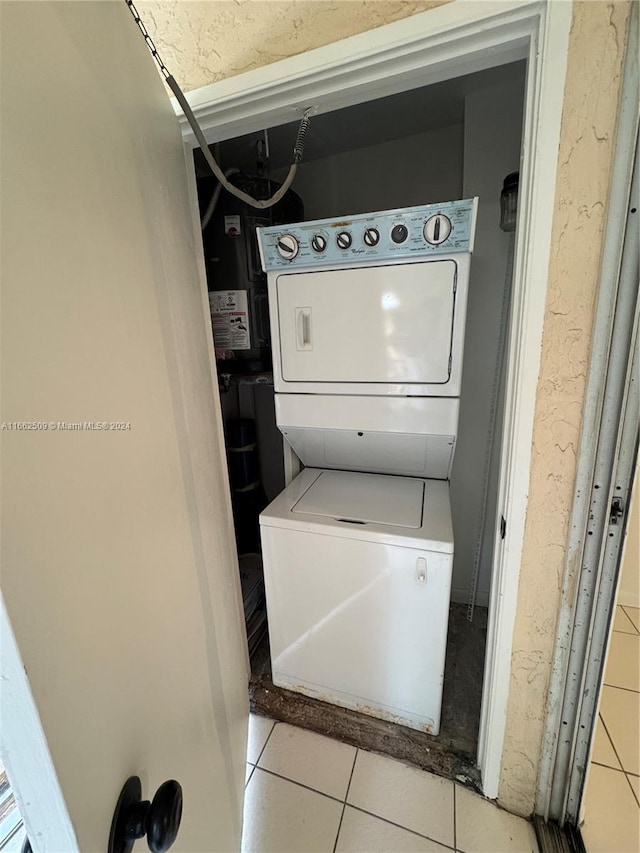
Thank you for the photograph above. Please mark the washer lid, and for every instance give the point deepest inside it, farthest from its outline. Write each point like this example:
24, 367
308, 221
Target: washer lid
362, 498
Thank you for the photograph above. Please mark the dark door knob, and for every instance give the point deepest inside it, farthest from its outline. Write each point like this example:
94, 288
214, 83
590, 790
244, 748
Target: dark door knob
134, 818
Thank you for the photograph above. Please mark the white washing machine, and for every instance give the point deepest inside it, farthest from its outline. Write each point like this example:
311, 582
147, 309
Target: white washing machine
367, 322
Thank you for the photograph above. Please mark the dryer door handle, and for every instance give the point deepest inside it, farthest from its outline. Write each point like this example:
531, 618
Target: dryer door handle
421, 569
303, 329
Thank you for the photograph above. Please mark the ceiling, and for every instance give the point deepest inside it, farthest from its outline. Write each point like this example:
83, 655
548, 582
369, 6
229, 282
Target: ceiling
373, 122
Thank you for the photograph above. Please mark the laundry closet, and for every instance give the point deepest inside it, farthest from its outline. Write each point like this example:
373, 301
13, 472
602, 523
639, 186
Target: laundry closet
456, 140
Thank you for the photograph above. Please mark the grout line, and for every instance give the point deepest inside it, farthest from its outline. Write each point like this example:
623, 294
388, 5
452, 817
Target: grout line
600, 722
335, 843
353, 767
632, 628
344, 804
617, 686
275, 723
608, 766
455, 819
300, 785
400, 826
629, 617
604, 726
633, 791
253, 770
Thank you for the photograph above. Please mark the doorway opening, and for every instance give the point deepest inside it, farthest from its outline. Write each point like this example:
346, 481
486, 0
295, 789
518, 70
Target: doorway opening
450, 140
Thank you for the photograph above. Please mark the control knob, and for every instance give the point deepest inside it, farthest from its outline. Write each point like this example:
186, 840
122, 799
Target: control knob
371, 236
344, 240
437, 228
318, 242
287, 246
399, 233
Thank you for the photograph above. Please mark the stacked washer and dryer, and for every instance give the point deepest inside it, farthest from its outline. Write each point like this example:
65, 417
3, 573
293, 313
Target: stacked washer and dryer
367, 324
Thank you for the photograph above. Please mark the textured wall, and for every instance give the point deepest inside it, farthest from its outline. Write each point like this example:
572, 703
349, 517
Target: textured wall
202, 42
584, 162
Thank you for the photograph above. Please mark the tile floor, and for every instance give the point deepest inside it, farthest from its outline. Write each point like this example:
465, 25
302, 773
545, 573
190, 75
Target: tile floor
612, 800
306, 792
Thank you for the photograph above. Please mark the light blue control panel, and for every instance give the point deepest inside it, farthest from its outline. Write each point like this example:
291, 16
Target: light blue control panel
430, 229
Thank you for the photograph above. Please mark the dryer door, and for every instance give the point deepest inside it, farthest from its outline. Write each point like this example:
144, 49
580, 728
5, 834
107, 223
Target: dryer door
385, 324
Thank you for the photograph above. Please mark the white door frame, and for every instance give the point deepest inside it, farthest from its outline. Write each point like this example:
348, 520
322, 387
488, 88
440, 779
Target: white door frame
25, 752
446, 42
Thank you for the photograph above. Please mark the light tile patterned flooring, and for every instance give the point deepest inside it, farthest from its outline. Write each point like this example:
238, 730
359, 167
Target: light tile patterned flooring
309, 793
612, 800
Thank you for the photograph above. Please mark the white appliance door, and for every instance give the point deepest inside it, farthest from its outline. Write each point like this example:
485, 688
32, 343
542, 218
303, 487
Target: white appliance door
358, 623
118, 566
386, 324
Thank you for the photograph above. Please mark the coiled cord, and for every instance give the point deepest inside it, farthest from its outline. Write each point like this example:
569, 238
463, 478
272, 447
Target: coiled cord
298, 148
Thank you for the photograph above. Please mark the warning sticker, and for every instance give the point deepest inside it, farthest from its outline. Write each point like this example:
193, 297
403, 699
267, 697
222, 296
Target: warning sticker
230, 319
232, 226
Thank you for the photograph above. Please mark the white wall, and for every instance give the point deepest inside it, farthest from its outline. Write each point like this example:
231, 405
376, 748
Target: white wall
492, 138
414, 170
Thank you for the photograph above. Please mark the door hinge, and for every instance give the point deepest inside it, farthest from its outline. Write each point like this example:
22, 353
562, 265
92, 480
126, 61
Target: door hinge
617, 511
503, 526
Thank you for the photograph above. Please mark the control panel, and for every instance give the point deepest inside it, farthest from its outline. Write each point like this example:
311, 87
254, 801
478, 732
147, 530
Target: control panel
429, 229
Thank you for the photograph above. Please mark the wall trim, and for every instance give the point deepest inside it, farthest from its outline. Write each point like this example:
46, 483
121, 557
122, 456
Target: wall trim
445, 42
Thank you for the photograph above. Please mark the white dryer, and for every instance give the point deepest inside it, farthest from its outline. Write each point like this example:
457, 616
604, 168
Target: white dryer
367, 321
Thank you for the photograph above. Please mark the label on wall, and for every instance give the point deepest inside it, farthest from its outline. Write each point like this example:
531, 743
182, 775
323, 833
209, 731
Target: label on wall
232, 226
230, 319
